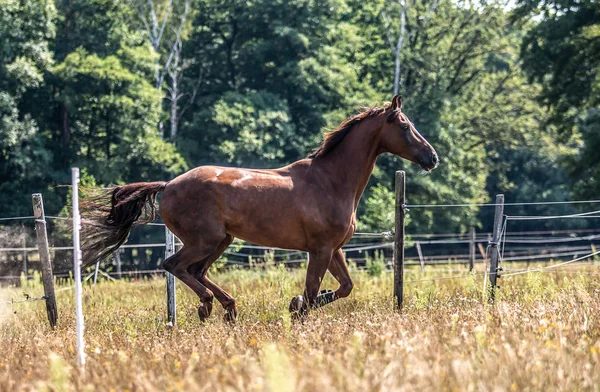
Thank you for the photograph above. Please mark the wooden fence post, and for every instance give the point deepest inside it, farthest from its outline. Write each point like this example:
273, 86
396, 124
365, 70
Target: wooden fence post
169, 251
472, 253
494, 248
399, 239
25, 257
42, 244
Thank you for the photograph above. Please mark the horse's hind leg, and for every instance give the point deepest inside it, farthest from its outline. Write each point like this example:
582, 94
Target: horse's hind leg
200, 270
224, 298
178, 264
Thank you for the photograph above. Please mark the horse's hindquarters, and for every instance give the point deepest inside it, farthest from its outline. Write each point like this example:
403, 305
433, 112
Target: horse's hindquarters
256, 206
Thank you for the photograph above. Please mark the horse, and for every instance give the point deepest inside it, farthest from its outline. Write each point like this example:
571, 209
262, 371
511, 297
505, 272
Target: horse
309, 205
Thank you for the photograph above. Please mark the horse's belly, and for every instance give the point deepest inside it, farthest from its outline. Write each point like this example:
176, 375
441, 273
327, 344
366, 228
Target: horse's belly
269, 221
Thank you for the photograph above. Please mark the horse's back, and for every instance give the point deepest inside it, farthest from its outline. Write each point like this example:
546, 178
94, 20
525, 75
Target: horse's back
253, 204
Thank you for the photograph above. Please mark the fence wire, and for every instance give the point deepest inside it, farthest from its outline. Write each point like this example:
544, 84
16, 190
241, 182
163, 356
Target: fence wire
460, 238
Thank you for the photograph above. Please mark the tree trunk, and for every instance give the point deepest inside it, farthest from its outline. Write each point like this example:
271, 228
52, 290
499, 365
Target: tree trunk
398, 51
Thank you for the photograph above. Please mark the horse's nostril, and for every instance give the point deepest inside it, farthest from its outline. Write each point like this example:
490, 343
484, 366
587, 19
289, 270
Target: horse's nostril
434, 158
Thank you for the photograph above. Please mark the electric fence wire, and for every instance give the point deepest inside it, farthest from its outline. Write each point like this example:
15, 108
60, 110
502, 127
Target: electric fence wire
589, 214
505, 204
16, 218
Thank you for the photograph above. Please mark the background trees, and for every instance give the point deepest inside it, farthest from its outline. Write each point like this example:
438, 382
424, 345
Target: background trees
136, 91
563, 52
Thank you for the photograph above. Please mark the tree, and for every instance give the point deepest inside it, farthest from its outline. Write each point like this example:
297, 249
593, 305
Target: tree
113, 118
563, 52
403, 35
26, 28
463, 88
286, 66
163, 25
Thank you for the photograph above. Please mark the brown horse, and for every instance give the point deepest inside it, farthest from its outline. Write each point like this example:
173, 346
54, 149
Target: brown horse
309, 206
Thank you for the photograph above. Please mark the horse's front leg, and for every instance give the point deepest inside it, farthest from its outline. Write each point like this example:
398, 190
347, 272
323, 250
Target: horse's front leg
339, 270
318, 262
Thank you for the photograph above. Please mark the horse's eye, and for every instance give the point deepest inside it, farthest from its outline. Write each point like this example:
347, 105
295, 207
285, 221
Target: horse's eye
405, 127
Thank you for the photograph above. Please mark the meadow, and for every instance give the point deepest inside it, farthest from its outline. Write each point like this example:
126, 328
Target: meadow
542, 333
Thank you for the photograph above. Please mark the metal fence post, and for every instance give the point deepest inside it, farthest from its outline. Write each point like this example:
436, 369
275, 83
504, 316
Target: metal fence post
79, 323
421, 258
399, 239
43, 249
169, 251
494, 248
472, 253
117, 256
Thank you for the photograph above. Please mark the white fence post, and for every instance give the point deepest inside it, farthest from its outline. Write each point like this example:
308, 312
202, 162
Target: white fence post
421, 258
77, 267
169, 251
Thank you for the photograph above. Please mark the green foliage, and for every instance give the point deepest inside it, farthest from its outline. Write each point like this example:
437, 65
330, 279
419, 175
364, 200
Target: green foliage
563, 52
254, 129
376, 265
585, 164
25, 30
259, 82
113, 117
379, 213
463, 89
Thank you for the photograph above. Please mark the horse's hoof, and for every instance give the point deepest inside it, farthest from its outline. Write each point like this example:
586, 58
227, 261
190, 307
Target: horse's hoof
204, 310
230, 316
298, 308
296, 304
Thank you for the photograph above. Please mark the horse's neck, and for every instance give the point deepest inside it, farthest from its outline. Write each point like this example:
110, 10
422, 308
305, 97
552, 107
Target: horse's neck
353, 160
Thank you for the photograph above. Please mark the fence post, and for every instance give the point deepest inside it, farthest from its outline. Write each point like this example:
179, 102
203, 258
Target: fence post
399, 239
25, 256
494, 249
169, 251
42, 244
96, 272
117, 256
472, 254
421, 258
79, 325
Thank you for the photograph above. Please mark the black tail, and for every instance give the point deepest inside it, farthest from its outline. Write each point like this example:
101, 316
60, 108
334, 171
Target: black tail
109, 214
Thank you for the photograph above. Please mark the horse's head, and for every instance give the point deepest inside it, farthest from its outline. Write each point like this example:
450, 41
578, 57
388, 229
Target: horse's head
400, 137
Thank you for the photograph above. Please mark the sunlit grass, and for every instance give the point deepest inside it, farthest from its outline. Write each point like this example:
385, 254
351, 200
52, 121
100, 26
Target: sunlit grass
542, 334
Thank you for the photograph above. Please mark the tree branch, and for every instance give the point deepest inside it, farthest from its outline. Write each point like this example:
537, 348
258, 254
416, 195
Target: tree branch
164, 22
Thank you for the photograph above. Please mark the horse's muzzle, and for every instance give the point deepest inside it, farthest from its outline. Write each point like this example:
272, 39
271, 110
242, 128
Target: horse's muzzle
430, 161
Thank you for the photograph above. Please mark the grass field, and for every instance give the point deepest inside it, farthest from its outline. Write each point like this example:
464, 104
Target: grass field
542, 334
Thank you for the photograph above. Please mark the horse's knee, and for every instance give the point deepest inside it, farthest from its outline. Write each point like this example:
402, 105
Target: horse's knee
169, 264
207, 296
345, 289
229, 304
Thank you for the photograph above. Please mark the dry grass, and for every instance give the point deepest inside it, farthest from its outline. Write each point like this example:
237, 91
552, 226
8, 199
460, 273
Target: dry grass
542, 334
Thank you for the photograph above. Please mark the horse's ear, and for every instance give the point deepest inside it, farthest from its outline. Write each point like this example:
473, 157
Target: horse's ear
397, 102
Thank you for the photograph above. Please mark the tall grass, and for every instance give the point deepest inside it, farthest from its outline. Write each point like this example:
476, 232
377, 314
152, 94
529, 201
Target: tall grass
543, 333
